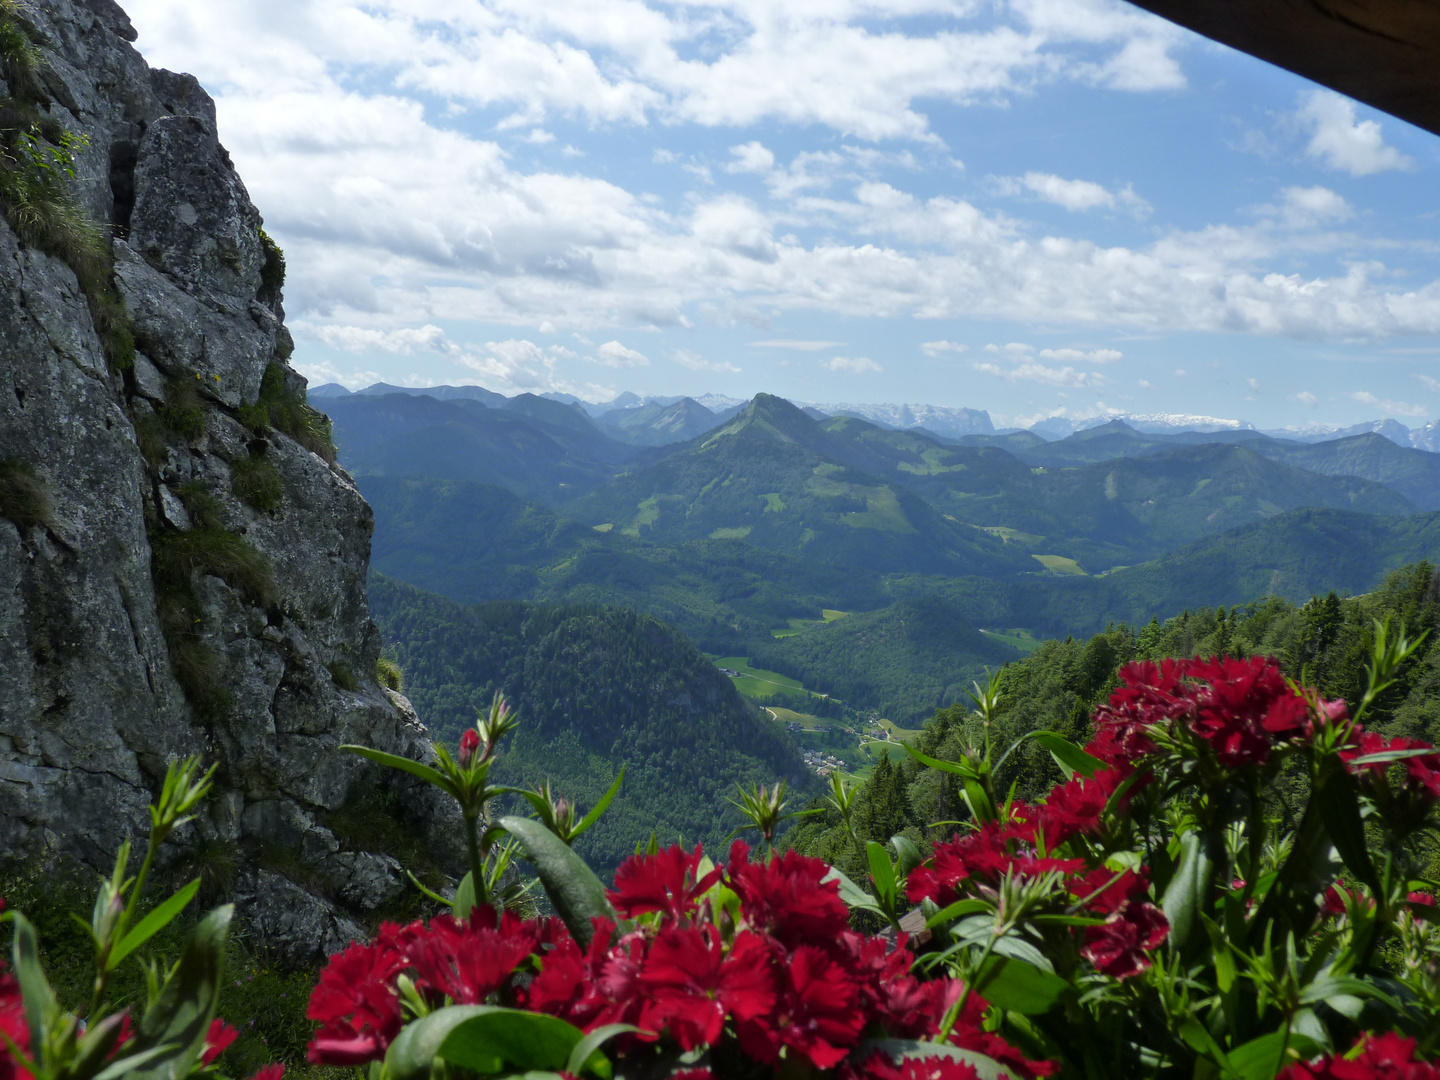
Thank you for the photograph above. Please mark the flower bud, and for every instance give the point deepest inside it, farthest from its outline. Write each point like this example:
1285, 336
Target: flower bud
469, 743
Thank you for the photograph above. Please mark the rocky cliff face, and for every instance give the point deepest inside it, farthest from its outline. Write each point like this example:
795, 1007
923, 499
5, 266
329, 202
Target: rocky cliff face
194, 579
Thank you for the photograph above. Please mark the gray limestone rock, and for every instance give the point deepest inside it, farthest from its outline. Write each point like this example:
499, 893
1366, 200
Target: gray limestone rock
92, 708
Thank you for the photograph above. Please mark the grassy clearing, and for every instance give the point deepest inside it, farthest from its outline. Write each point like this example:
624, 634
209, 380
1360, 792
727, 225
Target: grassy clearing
1021, 638
790, 716
647, 513
773, 503
1058, 564
740, 532
1011, 536
757, 683
830, 614
799, 626
604, 528
882, 512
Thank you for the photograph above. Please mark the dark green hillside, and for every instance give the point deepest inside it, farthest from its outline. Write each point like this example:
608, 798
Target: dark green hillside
541, 450
596, 688
769, 477
904, 661
471, 542
1324, 643
1413, 473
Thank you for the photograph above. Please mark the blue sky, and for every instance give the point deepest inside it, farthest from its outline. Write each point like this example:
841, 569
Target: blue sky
1035, 207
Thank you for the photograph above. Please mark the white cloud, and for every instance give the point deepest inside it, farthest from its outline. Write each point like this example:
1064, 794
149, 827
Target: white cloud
939, 348
1083, 356
1431, 384
539, 137
1306, 207
1180, 373
752, 157
613, 354
358, 339
322, 372
854, 364
1397, 408
1039, 373
1254, 384
695, 362
1072, 195
798, 346
1306, 398
1145, 384
1341, 142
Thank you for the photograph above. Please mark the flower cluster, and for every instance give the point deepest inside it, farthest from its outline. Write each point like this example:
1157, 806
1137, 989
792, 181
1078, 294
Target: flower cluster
1373, 1057
766, 965
13, 1027
1241, 708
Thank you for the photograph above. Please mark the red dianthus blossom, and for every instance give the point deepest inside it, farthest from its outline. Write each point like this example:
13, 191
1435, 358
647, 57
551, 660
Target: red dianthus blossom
1245, 706
15, 1027
879, 1067
816, 1013
664, 882
692, 985
787, 897
217, 1040
1117, 947
1383, 1057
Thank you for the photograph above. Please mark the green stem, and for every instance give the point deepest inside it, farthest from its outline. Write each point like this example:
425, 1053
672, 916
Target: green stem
103, 969
477, 864
954, 1013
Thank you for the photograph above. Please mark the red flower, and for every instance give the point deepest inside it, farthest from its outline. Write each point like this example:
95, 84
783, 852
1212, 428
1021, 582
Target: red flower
1383, 1057
879, 1067
599, 986
270, 1072
815, 1014
787, 898
661, 882
16, 1028
217, 1039
469, 961
1106, 891
693, 986
1118, 947
1075, 806
1422, 899
357, 1009
1148, 694
469, 743
1246, 707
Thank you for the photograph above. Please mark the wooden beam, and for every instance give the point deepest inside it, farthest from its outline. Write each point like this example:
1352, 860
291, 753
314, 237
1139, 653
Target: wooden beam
1385, 53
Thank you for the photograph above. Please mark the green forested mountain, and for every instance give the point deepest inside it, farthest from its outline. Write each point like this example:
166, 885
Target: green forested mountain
538, 449
770, 477
1324, 642
597, 688
655, 424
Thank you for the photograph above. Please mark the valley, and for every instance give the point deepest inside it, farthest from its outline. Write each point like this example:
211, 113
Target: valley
842, 581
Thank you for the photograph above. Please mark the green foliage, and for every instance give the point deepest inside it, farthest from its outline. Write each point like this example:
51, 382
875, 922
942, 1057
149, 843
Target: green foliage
184, 410
272, 273
597, 687
176, 559
256, 482
389, 675
343, 676
23, 498
282, 410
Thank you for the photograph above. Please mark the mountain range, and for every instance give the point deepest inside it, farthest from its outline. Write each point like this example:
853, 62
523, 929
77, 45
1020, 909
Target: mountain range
743, 534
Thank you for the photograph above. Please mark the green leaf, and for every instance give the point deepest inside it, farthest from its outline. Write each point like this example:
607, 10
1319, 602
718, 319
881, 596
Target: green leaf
413, 1052
518, 1039
464, 901
586, 1055
897, 1050
978, 800
1067, 755
957, 768
1018, 986
1258, 1059
34, 987
132, 1062
600, 807
907, 855
1199, 1039
1223, 956
153, 923
1066, 920
95, 1046
181, 1015
1340, 811
852, 894
1390, 755
1188, 889
881, 872
572, 886
957, 910
414, 768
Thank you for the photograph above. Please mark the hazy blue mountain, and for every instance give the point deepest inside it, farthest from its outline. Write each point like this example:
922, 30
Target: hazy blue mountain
657, 424
439, 393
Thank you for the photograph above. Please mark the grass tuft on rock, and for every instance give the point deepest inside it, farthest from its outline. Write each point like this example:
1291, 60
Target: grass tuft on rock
343, 676
284, 411
184, 408
23, 498
272, 273
389, 675
256, 483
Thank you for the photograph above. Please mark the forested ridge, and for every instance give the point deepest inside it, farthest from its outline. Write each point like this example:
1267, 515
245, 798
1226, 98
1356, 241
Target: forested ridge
1323, 643
597, 688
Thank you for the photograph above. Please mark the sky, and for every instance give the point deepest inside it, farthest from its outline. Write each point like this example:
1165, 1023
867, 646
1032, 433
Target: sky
1035, 207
